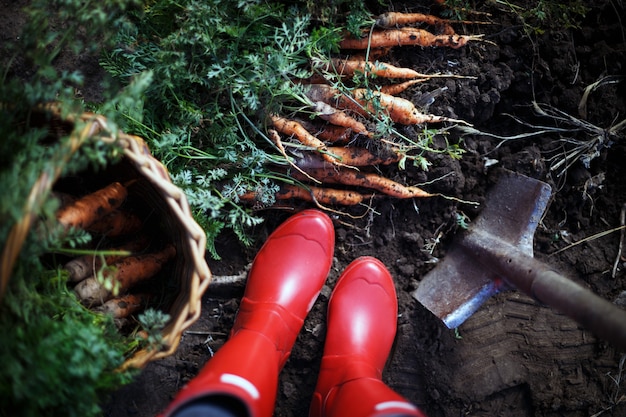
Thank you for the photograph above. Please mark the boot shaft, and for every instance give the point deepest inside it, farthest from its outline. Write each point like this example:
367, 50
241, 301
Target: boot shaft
362, 315
286, 278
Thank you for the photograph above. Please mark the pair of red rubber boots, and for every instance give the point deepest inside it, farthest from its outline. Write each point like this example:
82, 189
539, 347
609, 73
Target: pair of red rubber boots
286, 278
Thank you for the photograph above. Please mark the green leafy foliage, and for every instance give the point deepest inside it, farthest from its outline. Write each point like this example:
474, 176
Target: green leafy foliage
59, 357
218, 69
537, 16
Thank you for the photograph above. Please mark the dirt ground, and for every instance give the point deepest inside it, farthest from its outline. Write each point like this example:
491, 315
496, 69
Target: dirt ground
514, 357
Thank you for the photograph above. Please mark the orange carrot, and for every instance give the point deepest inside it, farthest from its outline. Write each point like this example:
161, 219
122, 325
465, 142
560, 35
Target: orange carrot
91, 207
395, 89
367, 102
337, 117
349, 67
291, 127
353, 156
124, 306
87, 265
117, 223
399, 109
275, 137
394, 19
124, 274
315, 194
373, 181
405, 37
329, 133
320, 195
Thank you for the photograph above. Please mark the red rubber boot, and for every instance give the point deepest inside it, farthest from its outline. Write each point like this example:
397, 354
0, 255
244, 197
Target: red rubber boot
286, 277
362, 315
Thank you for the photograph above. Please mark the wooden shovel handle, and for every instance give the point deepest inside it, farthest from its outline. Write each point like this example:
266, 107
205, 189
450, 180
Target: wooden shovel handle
538, 280
604, 319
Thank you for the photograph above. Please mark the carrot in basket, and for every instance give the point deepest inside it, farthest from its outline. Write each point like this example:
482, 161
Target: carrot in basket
117, 223
88, 265
91, 207
406, 37
124, 306
124, 274
366, 180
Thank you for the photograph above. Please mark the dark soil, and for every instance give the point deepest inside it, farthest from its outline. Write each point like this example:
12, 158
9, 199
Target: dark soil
513, 357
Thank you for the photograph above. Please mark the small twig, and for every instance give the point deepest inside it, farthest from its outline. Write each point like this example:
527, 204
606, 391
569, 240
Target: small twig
204, 333
226, 280
589, 238
622, 218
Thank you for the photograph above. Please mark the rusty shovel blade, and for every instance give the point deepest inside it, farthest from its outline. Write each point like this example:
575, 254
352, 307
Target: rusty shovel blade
496, 253
459, 285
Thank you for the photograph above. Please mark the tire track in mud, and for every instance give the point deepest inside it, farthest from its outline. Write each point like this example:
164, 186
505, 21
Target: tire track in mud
513, 349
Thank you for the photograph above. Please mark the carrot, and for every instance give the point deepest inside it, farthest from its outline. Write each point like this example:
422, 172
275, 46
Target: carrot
320, 195
339, 118
315, 194
399, 109
334, 97
86, 210
394, 19
275, 137
115, 224
377, 182
291, 127
86, 265
349, 67
125, 273
366, 102
353, 156
329, 133
395, 89
405, 37
124, 306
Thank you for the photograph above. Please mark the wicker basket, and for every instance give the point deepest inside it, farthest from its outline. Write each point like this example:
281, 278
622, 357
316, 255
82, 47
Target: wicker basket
167, 202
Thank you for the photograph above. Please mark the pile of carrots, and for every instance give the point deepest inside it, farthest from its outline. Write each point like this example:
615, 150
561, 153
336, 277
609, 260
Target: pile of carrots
333, 170
115, 277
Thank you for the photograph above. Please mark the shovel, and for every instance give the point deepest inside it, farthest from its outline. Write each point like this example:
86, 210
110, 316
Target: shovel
496, 253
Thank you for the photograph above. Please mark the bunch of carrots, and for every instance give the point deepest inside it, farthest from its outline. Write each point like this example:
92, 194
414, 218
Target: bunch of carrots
333, 170
114, 277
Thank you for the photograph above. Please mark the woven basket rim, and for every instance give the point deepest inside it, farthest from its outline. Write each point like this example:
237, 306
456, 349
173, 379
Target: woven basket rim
137, 152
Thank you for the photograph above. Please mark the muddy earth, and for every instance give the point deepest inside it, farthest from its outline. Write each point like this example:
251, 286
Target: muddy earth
513, 357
